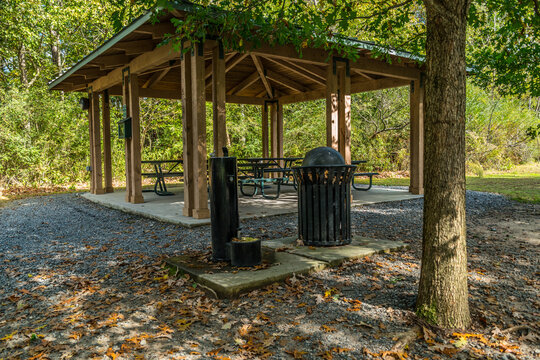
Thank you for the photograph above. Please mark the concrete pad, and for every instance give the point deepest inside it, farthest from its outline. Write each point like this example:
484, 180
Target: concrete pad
227, 282
336, 255
169, 208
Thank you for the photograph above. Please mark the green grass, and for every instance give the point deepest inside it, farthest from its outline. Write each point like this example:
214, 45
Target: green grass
521, 184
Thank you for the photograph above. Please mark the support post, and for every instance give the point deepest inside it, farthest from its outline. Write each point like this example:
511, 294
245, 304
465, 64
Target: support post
91, 140
280, 132
187, 132
218, 99
96, 143
417, 137
264, 125
344, 113
274, 129
136, 178
332, 137
338, 107
200, 209
106, 110
126, 78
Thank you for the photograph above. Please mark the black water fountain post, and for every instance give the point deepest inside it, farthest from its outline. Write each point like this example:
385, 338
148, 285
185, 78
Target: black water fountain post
223, 204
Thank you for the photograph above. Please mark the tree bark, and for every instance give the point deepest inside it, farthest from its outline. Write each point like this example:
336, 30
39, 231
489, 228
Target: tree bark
443, 294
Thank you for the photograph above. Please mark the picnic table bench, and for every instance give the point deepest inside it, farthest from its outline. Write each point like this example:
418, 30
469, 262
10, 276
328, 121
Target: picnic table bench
160, 187
362, 174
257, 173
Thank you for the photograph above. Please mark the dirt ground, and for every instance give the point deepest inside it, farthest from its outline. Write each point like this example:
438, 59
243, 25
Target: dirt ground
95, 289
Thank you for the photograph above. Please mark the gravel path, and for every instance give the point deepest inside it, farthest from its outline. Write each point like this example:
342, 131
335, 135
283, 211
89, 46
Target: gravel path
81, 281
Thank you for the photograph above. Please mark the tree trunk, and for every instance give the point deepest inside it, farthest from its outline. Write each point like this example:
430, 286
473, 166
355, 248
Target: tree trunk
443, 294
22, 66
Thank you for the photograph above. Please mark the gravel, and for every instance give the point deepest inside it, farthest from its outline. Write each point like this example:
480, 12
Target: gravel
56, 248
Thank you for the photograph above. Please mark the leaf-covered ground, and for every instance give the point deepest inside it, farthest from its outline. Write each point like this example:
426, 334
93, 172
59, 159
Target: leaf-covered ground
81, 281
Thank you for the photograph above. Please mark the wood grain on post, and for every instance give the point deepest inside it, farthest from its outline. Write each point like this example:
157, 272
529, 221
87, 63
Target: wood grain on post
106, 110
97, 166
125, 102
136, 178
200, 209
264, 133
187, 132
332, 137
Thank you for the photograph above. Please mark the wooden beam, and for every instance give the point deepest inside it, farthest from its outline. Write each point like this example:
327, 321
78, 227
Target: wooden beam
187, 132
106, 110
297, 70
244, 84
264, 133
357, 87
208, 70
91, 72
97, 167
158, 31
229, 65
134, 47
156, 78
135, 143
417, 137
357, 71
126, 94
314, 70
344, 114
141, 63
107, 61
200, 209
260, 70
332, 108
284, 81
91, 138
321, 57
218, 100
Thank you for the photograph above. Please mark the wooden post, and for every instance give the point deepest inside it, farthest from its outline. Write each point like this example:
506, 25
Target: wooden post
200, 209
279, 132
417, 137
264, 125
344, 113
274, 129
136, 178
126, 78
97, 165
218, 99
106, 110
332, 137
338, 107
91, 138
187, 131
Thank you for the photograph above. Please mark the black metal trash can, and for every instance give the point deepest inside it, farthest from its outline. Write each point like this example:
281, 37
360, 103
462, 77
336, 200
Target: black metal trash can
324, 198
223, 205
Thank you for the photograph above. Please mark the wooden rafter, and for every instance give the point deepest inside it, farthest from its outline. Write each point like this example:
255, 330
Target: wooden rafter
357, 87
134, 47
244, 84
260, 70
284, 81
359, 72
297, 70
235, 60
156, 77
109, 61
91, 72
158, 31
311, 69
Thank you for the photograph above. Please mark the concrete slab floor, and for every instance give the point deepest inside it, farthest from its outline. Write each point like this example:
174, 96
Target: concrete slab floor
281, 259
169, 208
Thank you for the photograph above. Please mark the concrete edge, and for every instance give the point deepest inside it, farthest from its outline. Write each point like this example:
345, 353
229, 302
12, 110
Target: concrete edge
143, 214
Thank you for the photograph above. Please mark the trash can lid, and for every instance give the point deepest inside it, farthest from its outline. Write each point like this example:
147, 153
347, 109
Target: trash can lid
323, 156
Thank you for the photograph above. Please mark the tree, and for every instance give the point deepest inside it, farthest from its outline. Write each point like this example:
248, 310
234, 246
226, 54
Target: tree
442, 294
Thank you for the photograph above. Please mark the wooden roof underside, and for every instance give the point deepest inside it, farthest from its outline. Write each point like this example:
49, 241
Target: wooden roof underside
251, 78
